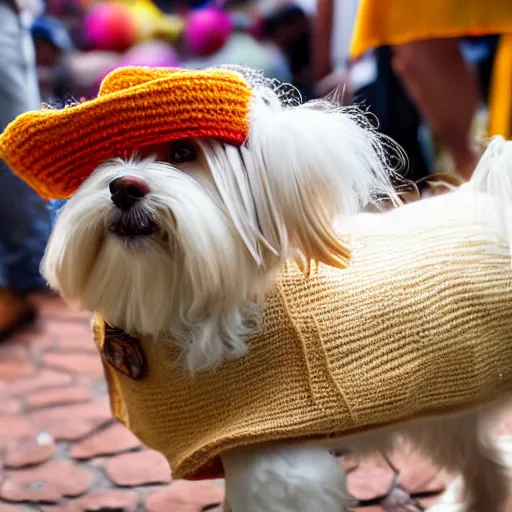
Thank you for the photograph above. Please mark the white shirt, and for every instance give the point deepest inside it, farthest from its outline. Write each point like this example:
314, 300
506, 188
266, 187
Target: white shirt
344, 16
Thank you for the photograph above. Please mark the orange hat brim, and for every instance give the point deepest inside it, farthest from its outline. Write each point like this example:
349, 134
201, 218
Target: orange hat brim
54, 151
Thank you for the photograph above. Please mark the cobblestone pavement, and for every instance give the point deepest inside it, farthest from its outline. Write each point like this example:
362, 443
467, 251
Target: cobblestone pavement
61, 451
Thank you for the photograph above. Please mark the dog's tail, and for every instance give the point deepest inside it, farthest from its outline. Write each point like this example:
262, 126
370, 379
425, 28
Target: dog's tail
492, 180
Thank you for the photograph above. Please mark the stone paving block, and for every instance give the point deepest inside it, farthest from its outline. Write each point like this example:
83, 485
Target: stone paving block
16, 426
68, 336
98, 409
39, 381
48, 483
12, 508
14, 369
88, 364
100, 501
9, 405
184, 496
140, 468
74, 429
114, 439
57, 396
29, 453
114, 500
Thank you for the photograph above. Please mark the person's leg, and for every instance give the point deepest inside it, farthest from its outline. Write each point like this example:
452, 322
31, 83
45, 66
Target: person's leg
397, 115
446, 92
24, 217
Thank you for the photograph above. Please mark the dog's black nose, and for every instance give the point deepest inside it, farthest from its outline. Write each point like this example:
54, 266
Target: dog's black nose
126, 191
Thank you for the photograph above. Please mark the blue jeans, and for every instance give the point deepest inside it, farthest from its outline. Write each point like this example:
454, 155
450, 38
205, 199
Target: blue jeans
24, 216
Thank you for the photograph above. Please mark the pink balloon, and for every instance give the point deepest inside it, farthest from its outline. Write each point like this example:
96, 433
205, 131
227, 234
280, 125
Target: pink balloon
207, 30
110, 27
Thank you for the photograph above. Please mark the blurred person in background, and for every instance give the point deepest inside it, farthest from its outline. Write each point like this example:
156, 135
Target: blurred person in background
24, 217
440, 82
368, 82
426, 38
332, 33
52, 46
288, 28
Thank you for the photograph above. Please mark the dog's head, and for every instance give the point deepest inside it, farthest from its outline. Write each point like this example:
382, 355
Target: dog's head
182, 236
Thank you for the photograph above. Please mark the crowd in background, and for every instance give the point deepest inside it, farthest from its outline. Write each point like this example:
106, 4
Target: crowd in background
430, 87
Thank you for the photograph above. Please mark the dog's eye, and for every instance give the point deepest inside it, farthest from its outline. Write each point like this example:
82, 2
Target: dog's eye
182, 151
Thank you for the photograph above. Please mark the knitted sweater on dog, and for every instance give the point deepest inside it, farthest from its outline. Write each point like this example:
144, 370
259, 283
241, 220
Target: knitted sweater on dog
420, 324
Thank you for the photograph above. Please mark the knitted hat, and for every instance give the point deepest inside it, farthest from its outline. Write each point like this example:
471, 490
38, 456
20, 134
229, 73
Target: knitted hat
54, 151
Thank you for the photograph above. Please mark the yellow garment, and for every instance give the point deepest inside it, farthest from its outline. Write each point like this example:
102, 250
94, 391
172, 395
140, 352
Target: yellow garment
391, 22
500, 104
419, 324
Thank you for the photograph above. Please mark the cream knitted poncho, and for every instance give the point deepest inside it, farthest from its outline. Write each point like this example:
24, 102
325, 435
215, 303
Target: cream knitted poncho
420, 324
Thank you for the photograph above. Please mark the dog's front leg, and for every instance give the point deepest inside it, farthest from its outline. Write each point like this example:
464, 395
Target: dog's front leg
284, 478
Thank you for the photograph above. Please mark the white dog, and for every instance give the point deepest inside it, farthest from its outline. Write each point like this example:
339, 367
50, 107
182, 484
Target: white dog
182, 236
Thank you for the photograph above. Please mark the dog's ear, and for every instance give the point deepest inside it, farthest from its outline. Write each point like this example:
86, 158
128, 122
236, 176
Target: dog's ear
312, 165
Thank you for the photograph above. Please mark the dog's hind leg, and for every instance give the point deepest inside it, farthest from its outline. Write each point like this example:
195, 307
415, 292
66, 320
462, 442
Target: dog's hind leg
462, 446
285, 478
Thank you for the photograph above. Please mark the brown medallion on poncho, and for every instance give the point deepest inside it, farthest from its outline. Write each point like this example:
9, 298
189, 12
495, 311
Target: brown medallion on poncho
124, 353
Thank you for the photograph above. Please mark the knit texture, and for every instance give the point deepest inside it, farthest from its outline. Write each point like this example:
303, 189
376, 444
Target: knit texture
54, 151
418, 325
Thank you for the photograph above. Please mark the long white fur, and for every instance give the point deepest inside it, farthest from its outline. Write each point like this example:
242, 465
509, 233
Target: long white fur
230, 220
493, 179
